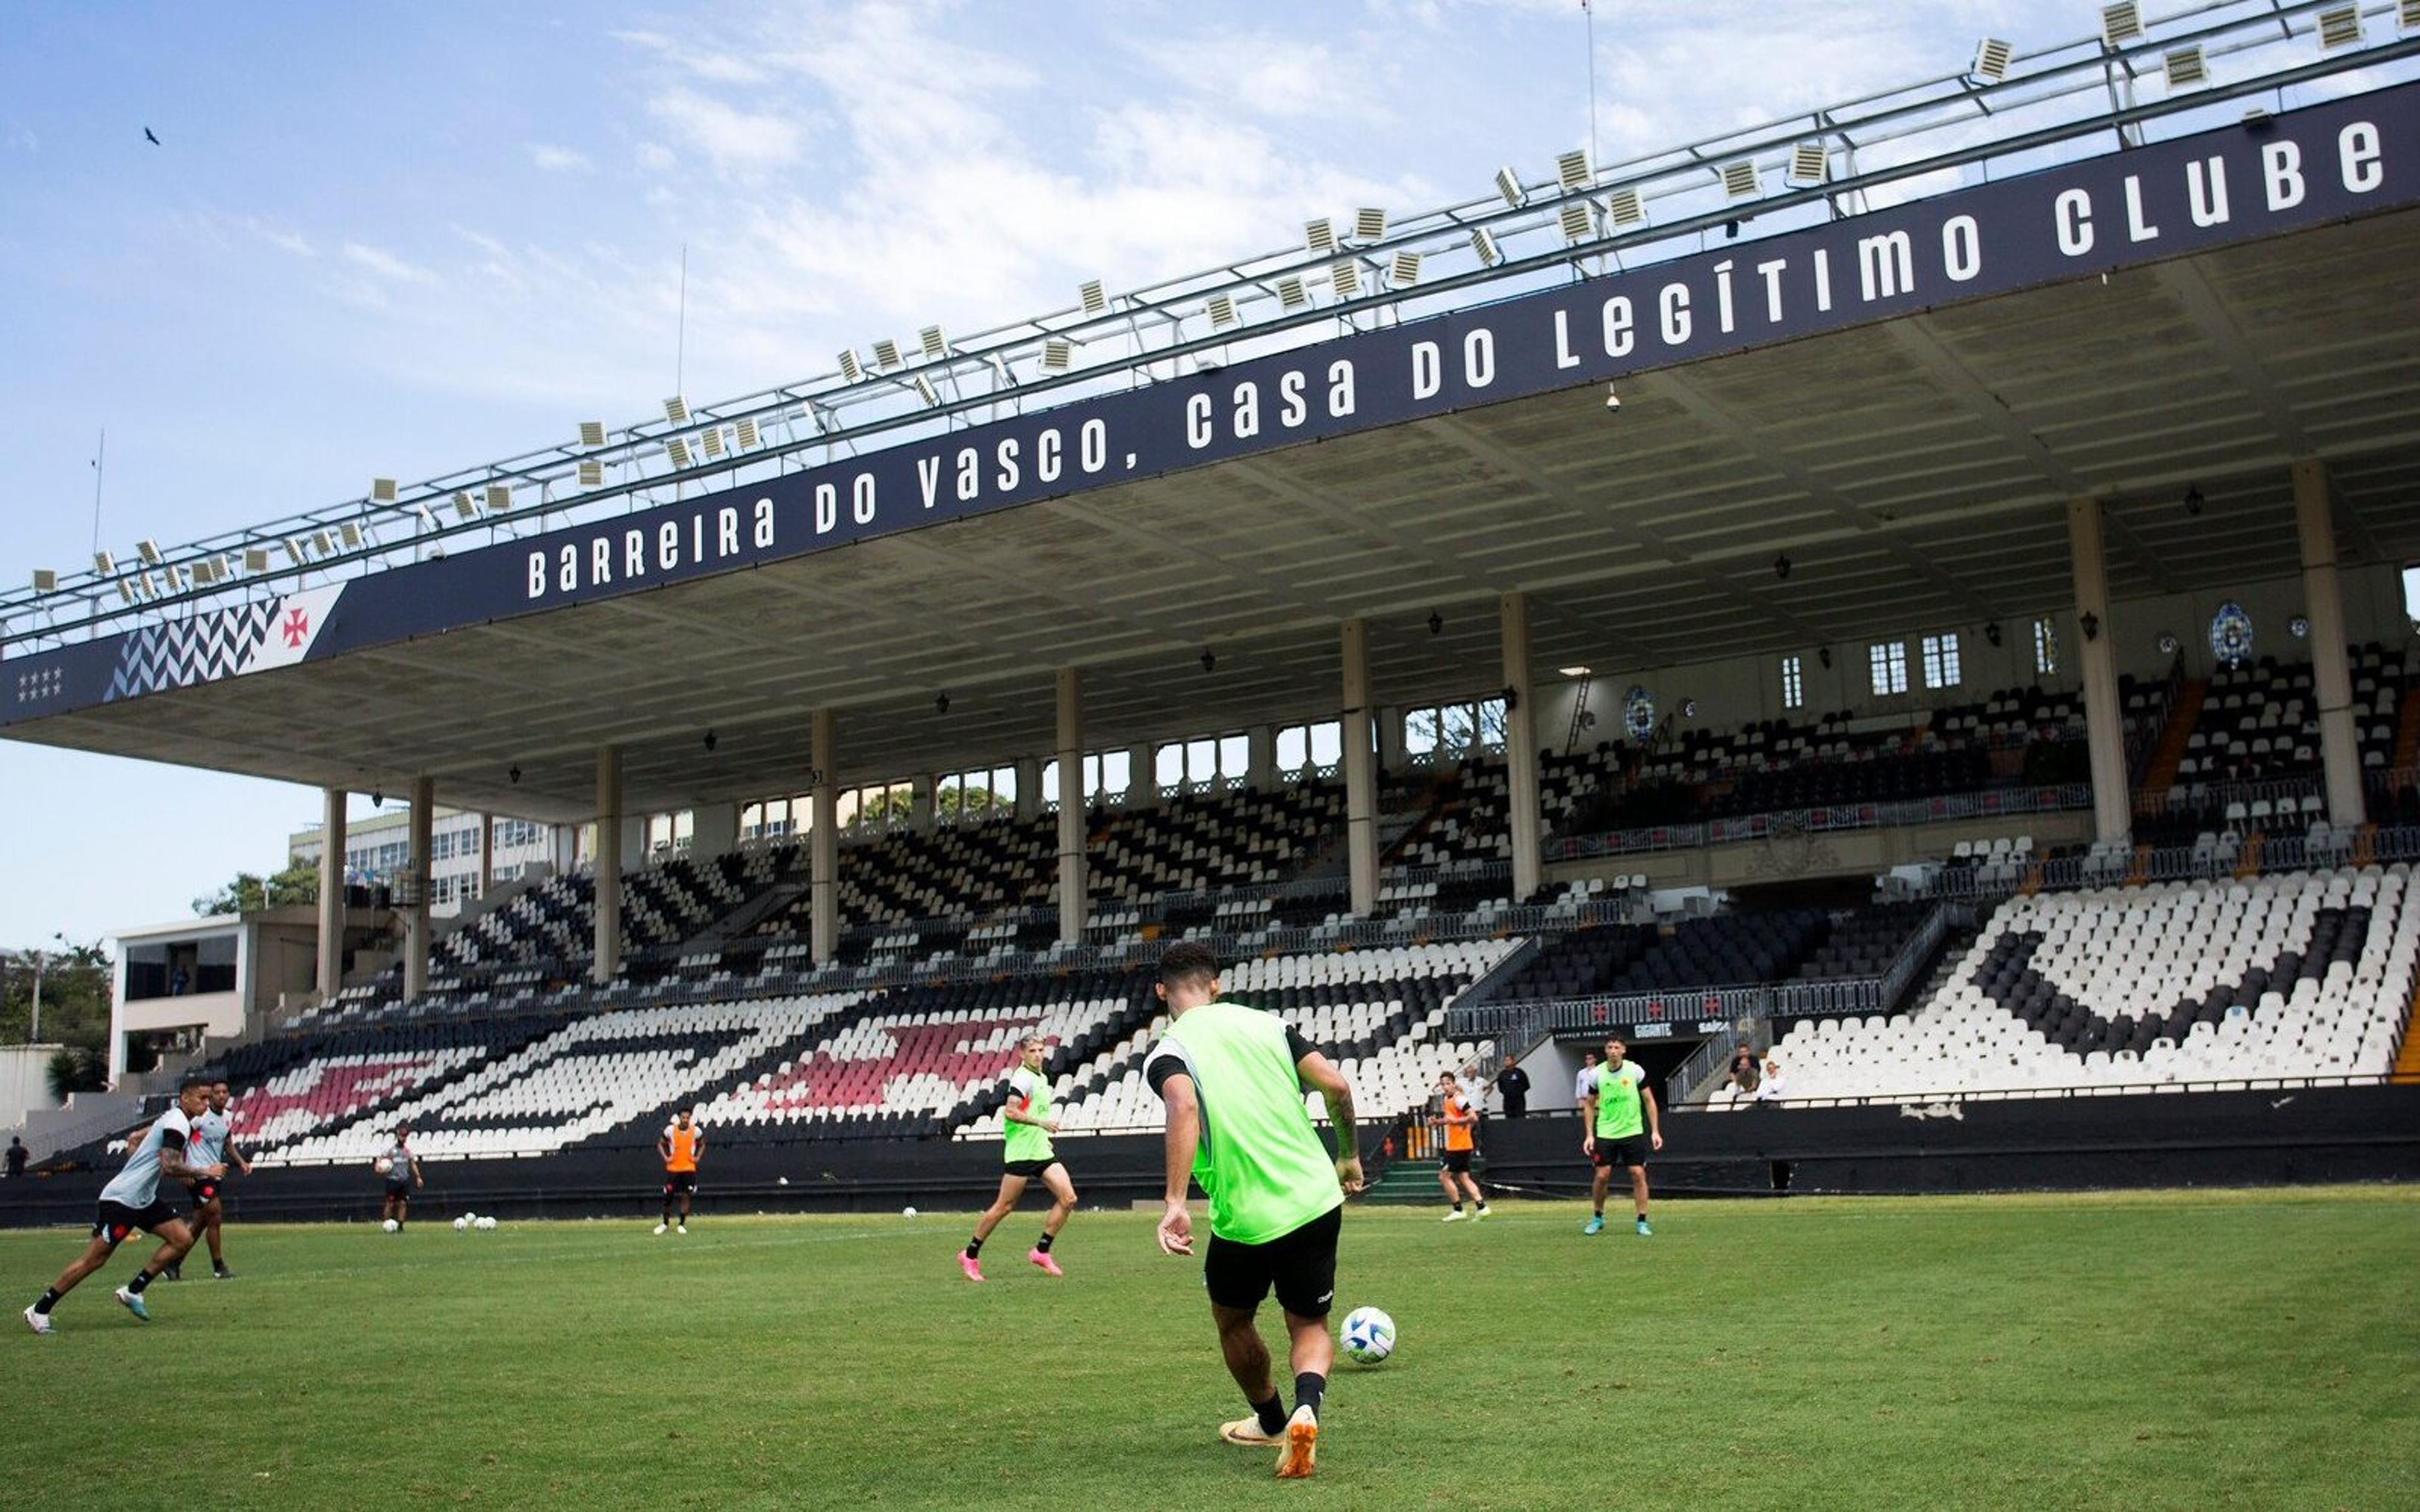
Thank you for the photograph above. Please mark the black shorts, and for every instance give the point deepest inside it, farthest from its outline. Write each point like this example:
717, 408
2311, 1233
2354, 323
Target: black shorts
1458, 1161
1301, 1266
1029, 1168
206, 1191
400, 1191
680, 1182
115, 1221
1631, 1149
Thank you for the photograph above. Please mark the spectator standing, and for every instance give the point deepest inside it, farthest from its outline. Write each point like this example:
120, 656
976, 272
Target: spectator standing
1514, 1083
1585, 1088
16, 1153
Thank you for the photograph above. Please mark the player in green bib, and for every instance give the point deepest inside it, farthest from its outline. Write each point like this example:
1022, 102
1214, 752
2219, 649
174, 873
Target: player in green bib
1232, 1079
1028, 1128
1620, 1119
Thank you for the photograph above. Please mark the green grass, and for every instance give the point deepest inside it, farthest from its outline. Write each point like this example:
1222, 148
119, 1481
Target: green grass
2189, 1349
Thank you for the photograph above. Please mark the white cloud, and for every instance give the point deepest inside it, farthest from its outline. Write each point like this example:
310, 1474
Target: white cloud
386, 265
739, 141
283, 240
558, 160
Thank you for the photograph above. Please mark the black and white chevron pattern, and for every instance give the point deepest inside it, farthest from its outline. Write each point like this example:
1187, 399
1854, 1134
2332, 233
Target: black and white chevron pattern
180, 652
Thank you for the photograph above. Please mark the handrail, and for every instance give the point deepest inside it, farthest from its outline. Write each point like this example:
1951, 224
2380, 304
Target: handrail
1951, 1097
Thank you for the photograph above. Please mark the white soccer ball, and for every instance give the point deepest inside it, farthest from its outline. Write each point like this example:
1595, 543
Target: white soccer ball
906, 1213
390, 1226
486, 1224
1369, 1336
461, 1224
383, 1165
783, 1180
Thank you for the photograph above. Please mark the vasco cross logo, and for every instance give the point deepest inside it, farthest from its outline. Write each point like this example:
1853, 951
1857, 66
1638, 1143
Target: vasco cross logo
298, 625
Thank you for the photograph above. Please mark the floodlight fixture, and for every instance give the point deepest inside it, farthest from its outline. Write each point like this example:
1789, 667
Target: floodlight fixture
104, 564
714, 442
325, 543
1291, 294
677, 450
2121, 23
1436, 622
500, 497
2406, 14
2186, 67
1810, 163
592, 434
2339, 27
747, 433
125, 591
1739, 179
1320, 236
1095, 298
256, 559
294, 552
849, 367
463, 508
1404, 270
382, 490
677, 411
1370, 224
45, 581
934, 344
1574, 670
1058, 354
1222, 311
1345, 279
1624, 208
924, 390
886, 354
148, 551
1508, 184
1992, 57
1578, 220
351, 534
592, 474
1482, 241
1572, 170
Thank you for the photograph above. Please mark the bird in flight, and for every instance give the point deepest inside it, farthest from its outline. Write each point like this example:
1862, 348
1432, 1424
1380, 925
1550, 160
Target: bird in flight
148, 137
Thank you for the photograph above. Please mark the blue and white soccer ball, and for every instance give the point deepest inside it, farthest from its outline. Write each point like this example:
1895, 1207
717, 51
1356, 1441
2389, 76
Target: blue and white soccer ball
1369, 1336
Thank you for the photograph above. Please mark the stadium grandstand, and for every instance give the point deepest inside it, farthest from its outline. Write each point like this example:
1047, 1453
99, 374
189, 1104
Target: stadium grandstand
1916, 591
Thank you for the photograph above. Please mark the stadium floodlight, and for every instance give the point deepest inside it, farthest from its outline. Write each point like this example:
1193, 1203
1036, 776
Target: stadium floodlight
1404, 270
350, 533
1992, 59
714, 442
1624, 208
2121, 23
931, 340
256, 559
1808, 163
205, 573
325, 543
1370, 224
592, 474
1320, 236
1058, 353
747, 429
1739, 179
1482, 241
1572, 170
125, 591
1577, 219
104, 564
1094, 299
1508, 184
924, 390
678, 451
2339, 27
592, 434
1222, 311
149, 549
382, 490
677, 411
1574, 670
850, 368
463, 508
500, 497
2185, 67
886, 354
2406, 14
45, 581
294, 552
1346, 278
1291, 293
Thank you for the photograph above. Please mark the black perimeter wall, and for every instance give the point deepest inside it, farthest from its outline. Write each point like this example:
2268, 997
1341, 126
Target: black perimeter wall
2041, 1144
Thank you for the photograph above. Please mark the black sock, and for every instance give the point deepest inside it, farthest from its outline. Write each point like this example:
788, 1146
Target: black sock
1482, 1204
974, 1248
1309, 1387
142, 1279
48, 1300
1045, 1246
1271, 1413
1457, 1204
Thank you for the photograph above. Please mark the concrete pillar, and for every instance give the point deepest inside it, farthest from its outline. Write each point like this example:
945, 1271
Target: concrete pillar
415, 914
1073, 909
1028, 786
332, 891
1520, 746
1260, 765
920, 816
608, 963
1360, 771
1143, 776
2112, 808
487, 856
1389, 725
823, 836
713, 830
2331, 678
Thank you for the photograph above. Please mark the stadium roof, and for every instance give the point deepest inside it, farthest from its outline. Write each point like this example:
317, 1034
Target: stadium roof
1901, 419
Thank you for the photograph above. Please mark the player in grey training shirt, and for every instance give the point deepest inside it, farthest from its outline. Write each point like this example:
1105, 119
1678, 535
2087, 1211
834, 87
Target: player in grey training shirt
131, 1202
213, 1144
402, 1174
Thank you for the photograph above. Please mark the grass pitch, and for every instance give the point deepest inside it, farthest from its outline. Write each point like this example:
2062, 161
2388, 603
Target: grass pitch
2188, 1350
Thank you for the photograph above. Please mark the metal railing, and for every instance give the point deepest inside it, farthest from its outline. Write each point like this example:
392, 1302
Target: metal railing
1948, 1099
2054, 103
1990, 803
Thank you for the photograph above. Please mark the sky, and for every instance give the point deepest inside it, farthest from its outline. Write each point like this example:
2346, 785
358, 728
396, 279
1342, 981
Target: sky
395, 240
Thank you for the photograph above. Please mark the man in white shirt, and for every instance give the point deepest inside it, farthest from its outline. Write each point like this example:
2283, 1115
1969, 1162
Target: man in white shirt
131, 1201
1584, 1087
1773, 1086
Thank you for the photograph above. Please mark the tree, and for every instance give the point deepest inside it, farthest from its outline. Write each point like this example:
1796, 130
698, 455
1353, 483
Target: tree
968, 802
249, 893
76, 984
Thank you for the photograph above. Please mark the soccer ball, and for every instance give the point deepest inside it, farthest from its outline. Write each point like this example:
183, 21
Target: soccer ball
390, 1226
383, 1165
461, 1224
486, 1223
906, 1213
1369, 1336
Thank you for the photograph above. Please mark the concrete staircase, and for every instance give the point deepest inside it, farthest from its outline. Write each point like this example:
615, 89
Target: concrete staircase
2183, 714
2407, 1060
1407, 1183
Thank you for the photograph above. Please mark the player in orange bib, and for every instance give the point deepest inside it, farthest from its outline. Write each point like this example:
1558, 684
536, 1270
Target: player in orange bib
681, 1143
1459, 1117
